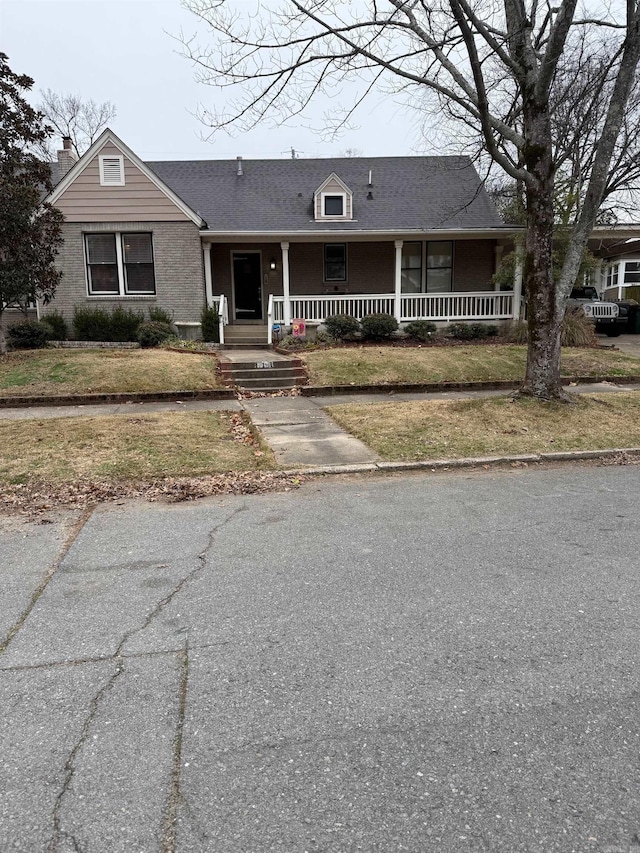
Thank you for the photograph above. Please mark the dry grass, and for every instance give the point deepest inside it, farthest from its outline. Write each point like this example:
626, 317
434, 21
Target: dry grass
389, 365
60, 372
439, 429
127, 449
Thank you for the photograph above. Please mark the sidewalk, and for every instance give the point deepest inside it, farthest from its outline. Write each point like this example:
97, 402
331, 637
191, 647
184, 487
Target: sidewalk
297, 429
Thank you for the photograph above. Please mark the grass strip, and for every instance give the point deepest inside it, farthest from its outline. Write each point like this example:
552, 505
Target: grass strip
62, 372
124, 448
436, 429
388, 365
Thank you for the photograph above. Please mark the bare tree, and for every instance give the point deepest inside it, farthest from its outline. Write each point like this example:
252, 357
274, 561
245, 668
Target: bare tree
82, 121
493, 66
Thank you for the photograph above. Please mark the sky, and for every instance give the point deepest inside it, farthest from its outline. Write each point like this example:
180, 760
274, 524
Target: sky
124, 52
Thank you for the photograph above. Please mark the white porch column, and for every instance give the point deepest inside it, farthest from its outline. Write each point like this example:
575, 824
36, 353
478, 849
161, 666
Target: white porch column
285, 283
208, 280
398, 281
517, 283
598, 278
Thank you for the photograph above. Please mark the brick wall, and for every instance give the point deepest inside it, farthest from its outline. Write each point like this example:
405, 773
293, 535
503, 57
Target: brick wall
178, 268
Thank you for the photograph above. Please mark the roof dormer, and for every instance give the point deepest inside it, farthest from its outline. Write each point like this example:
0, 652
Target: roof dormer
333, 200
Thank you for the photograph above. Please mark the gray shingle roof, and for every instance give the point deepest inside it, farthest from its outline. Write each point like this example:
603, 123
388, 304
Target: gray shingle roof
409, 193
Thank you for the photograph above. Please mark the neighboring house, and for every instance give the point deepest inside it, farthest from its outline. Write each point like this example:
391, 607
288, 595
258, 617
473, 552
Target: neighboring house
617, 249
274, 240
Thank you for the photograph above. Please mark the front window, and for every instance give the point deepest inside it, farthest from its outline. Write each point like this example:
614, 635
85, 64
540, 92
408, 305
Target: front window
335, 262
102, 264
439, 266
138, 263
120, 264
632, 272
411, 267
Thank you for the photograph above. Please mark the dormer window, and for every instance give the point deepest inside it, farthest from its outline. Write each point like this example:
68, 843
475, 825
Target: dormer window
333, 200
333, 205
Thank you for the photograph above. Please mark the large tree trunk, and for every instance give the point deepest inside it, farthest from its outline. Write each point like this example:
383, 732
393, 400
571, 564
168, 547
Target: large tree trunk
542, 377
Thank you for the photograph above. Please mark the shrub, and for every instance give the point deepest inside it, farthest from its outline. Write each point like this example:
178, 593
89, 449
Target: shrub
159, 315
378, 326
210, 320
420, 330
152, 333
125, 323
472, 331
91, 324
342, 326
323, 338
58, 325
97, 324
32, 334
577, 329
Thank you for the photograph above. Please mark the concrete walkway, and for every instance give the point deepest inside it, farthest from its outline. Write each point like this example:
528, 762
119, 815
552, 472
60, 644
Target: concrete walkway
300, 433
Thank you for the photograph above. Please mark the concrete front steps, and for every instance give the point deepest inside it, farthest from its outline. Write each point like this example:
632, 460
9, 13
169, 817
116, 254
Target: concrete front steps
263, 371
249, 336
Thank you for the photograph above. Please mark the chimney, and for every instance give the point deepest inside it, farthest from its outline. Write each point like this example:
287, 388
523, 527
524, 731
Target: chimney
239, 173
66, 157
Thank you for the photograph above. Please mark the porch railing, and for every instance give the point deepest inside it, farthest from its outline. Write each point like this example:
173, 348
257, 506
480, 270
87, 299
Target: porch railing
457, 306
223, 314
486, 305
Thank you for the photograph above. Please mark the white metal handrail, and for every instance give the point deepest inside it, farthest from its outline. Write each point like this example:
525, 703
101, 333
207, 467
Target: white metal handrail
271, 317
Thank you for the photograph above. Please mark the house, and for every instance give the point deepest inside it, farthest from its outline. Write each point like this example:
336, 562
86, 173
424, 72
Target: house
274, 240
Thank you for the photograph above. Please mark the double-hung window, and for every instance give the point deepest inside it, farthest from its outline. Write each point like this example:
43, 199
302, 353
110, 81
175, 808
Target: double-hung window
439, 266
120, 264
335, 262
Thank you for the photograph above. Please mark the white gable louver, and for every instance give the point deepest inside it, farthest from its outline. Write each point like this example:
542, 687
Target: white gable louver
111, 171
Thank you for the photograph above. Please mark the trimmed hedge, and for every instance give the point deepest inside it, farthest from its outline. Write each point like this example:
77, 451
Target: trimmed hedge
152, 333
342, 326
98, 324
378, 326
421, 330
32, 334
210, 322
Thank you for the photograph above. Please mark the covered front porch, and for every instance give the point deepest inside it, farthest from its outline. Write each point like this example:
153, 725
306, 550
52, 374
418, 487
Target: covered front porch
265, 283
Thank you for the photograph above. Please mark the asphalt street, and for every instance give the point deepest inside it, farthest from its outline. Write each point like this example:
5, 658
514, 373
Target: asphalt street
437, 662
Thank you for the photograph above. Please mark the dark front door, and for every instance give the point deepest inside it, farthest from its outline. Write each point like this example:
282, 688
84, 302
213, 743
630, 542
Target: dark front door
247, 285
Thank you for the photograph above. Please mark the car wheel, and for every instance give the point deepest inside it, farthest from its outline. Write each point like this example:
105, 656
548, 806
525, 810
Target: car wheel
613, 333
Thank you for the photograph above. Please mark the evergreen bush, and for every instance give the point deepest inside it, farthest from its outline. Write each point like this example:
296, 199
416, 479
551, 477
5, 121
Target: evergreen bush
421, 330
342, 327
32, 334
378, 326
210, 320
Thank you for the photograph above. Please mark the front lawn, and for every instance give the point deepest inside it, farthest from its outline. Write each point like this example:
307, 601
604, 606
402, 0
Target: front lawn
61, 372
414, 365
436, 429
128, 448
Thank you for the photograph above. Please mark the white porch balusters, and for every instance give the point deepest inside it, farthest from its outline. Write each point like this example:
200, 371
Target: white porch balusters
398, 281
285, 283
517, 283
208, 281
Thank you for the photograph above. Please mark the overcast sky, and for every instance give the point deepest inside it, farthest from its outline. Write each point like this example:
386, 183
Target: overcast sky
111, 50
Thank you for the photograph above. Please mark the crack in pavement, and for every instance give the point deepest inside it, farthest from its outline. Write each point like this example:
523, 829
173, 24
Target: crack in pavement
175, 794
26, 667
53, 568
119, 658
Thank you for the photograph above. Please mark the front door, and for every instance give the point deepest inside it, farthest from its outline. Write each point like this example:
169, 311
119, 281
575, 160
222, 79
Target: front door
247, 285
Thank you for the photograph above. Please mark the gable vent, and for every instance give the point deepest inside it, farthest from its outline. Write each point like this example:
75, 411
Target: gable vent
112, 171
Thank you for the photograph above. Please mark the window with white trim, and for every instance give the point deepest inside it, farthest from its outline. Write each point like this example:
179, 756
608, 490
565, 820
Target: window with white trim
333, 205
439, 266
120, 264
111, 170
